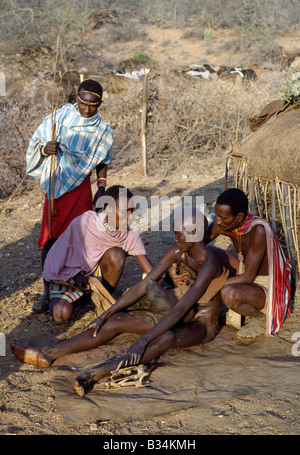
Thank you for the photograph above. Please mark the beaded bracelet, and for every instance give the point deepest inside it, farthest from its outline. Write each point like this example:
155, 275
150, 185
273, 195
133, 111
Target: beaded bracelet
101, 181
42, 151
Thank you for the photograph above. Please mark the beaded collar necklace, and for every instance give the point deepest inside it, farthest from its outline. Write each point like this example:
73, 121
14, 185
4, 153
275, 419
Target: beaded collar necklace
240, 248
107, 226
235, 231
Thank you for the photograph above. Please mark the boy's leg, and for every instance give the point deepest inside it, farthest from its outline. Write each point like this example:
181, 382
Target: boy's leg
61, 301
112, 264
186, 335
202, 329
245, 299
227, 259
117, 324
60, 309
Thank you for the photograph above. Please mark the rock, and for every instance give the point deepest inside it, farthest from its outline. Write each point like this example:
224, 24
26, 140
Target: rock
83, 70
33, 276
94, 426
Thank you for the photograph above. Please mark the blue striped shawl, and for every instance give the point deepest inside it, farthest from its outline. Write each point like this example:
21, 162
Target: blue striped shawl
84, 143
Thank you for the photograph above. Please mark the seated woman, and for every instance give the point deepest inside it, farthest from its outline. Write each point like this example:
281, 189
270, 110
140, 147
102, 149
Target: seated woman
92, 240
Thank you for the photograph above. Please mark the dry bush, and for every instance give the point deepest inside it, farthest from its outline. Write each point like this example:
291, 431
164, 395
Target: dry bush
192, 123
262, 51
194, 35
225, 13
19, 118
121, 110
29, 29
125, 32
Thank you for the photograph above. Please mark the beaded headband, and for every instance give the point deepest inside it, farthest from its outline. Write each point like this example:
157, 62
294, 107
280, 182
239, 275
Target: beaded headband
88, 102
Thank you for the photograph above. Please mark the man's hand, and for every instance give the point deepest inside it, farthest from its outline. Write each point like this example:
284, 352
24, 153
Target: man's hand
82, 282
134, 354
51, 148
96, 325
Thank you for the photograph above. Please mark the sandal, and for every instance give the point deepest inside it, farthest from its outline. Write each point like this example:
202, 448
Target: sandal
250, 332
41, 306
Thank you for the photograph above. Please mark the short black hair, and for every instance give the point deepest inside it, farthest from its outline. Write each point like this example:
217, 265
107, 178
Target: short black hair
91, 86
236, 199
116, 190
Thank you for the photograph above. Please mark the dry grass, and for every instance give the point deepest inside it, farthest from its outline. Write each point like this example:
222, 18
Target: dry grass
19, 118
192, 123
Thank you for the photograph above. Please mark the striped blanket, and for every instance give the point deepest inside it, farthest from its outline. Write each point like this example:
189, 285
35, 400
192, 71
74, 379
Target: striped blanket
84, 143
278, 307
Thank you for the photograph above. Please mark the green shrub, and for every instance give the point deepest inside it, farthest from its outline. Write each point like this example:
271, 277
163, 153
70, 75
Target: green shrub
140, 56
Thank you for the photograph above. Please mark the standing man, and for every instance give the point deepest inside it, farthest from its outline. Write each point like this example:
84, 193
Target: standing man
83, 141
260, 283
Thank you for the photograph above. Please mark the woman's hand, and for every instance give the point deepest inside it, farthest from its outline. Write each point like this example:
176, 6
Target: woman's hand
81, 282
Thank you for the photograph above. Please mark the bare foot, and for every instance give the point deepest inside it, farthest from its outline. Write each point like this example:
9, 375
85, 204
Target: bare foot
33, 356
83, 384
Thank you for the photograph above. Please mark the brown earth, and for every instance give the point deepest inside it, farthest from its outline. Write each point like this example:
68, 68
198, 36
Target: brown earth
27, 401
28, 404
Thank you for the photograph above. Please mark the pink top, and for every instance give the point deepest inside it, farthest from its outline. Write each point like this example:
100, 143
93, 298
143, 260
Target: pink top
82, 245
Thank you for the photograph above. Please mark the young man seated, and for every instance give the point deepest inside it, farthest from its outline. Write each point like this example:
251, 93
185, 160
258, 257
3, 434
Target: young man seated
92, 240
189, 319
261, 287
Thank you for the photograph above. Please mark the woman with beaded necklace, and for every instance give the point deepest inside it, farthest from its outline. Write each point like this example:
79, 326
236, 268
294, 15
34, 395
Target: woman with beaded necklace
93, 239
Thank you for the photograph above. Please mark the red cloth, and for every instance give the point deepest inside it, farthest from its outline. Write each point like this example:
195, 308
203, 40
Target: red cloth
279, 291
68, 206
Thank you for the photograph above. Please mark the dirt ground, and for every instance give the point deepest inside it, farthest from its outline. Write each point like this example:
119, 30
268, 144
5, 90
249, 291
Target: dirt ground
27, 401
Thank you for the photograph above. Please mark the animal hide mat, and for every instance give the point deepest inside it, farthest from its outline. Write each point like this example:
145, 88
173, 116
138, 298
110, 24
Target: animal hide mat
203, 375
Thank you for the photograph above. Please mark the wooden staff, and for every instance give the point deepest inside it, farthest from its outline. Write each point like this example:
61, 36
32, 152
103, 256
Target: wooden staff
273, 205
289, 226
53, 212
258, 198
227, 164
144, 122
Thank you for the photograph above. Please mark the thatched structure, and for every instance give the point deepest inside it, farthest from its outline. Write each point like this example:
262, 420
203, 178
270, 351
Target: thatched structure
266, 165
